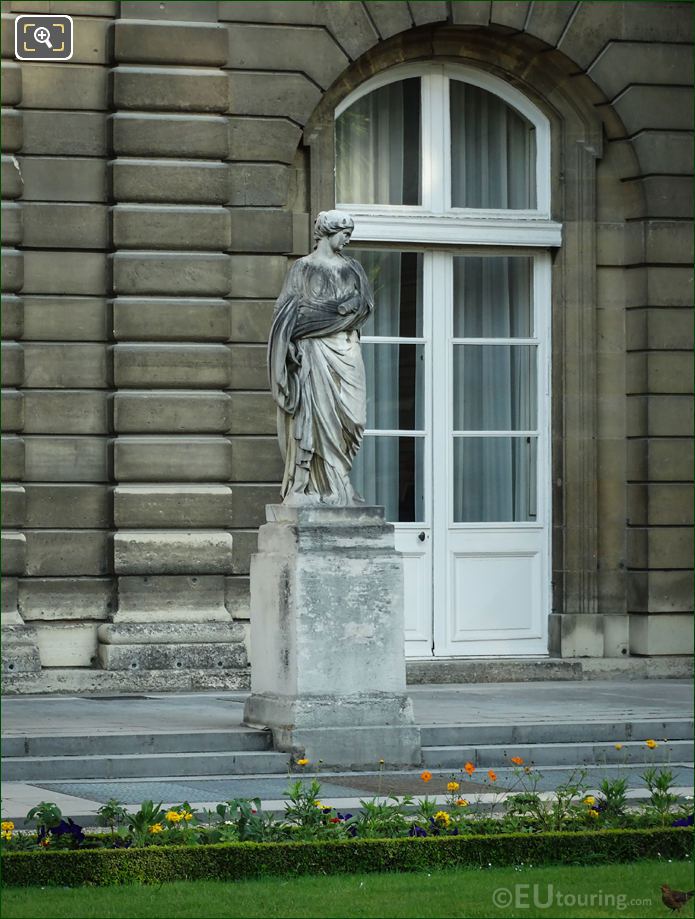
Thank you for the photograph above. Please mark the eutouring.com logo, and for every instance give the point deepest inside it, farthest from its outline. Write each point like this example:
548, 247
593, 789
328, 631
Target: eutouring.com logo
43, 38
546, 896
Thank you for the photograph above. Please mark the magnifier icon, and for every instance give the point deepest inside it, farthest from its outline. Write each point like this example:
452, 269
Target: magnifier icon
42, 35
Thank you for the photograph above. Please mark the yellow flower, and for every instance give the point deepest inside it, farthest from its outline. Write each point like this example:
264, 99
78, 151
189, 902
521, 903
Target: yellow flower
461, 802
303, 761
6, 834
156, 828
652, 744
592, 812
187, 815
425, 776
442, 818
453, 786
7, 825
618, 746
590, 799
381, 762
318, 804
46, 841
172, 816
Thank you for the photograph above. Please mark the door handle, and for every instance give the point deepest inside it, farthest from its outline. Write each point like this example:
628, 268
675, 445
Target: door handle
421, 536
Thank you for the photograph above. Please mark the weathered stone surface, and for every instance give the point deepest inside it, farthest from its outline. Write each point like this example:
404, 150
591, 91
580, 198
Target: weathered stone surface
144, 226
161, 366
13, 504
12, 183
172, 459
309, 50
68, 506
66, 644
258, 184
623, 63
67, 552
12, 315
389, 16
65, 366
670, 460
169, 599
256, 139
170, 89
252, 413
170, 412
650, 147
664, 196
8, 602
65, 179
245, 544
661, 634
148, 134
12, 270
65, 273
669, 416
256, 459
251, 319
471, 13
62, 318
575, 634
299, 12
547, 21
171, 633
68, 411
670, 372
159, 319
196, 10
66, 598
249, 504
172, 552
287, 95
12, 363
174, 506
13, 554
174, 181
155, 43
49, 133
172, 656
11, 133
174, 273
655, 108
238, 597
65, 226
257, 275
12, 414
670, 504
248, 369
428, 11
13, 456
66, 459
64, 86
260, 230
11, 223
11, 83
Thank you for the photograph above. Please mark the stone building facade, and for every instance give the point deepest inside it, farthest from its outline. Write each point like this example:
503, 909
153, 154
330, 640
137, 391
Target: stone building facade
155, 189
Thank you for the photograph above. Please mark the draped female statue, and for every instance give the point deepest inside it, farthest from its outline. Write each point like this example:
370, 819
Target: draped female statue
316, 369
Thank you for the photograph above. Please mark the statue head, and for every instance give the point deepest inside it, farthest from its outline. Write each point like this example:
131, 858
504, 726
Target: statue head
333, 223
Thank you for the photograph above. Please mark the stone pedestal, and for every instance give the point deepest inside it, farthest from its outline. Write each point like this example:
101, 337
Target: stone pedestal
327, 639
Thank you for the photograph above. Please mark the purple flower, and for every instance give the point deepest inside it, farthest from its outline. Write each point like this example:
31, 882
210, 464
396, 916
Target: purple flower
417, 831
684, 821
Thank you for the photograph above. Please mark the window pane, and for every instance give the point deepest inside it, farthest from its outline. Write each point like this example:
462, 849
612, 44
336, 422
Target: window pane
377, 147
493, 297
493, 151
396, 279
494, 479
389, 471
395, 383
494, 387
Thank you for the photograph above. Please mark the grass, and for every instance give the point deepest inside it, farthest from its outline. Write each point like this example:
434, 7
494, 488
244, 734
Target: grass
616, 890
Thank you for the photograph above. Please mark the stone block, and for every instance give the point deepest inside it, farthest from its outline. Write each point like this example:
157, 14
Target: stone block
172, 506
67, 459
624, 63
172, 273
58, 318
254, 139
13, 506
589, 31
190, 136
69, 411
245, 544
257, 275
172, 656
84, 7
171, 366
256, 459
12, 182
172, 412
160, 319
172, 459
161, 601
55, 553
312, 51
352, 27
11, 132
661, 634
49, 133
12, 413
144, 226
173, 181
11, 224
252, 413
238, 597
260, 230
92, 41
82, 273
67, 644
670, 372
299, 12
668, 241
616, 635
13, 457
11, 83
195, 10
13, 554
670, 416
172, 552
12, 363
251, 320
65, 366
649, 23
250, 502
56, 506
12, 270
65, 86
670, 591
575, 634
258, 184
670, 459
65, 179
170, 89
670, 547
66, 598
662, 197
157, 43
547, 21
65, 226
12, 315
389, 17
285, 95
670, 504
670, 286
174, 632
655, 108
8, 601
664, 152
248, 367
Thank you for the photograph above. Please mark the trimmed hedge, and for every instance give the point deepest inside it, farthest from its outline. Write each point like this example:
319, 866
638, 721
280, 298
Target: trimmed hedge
237, 861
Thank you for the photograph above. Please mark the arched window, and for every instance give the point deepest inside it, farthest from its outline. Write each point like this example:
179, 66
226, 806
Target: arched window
447, 172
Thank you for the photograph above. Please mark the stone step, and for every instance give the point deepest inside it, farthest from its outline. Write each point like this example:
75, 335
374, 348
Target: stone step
443, 735
122, 743
141, 765
495, 756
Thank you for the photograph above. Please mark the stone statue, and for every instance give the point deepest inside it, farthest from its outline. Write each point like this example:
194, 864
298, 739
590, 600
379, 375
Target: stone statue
316, 369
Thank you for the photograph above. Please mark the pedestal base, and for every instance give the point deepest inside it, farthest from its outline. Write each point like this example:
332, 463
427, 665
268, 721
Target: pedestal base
327, 641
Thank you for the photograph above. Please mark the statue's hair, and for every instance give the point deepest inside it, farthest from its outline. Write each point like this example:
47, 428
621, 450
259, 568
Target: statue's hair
329, 222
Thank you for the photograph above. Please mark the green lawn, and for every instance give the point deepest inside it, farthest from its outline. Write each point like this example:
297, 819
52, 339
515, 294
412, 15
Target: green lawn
439, 894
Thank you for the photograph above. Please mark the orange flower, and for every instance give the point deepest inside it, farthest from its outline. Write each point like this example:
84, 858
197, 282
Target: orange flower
652, 744
492, 775
470, 768
425, 776
517, 760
